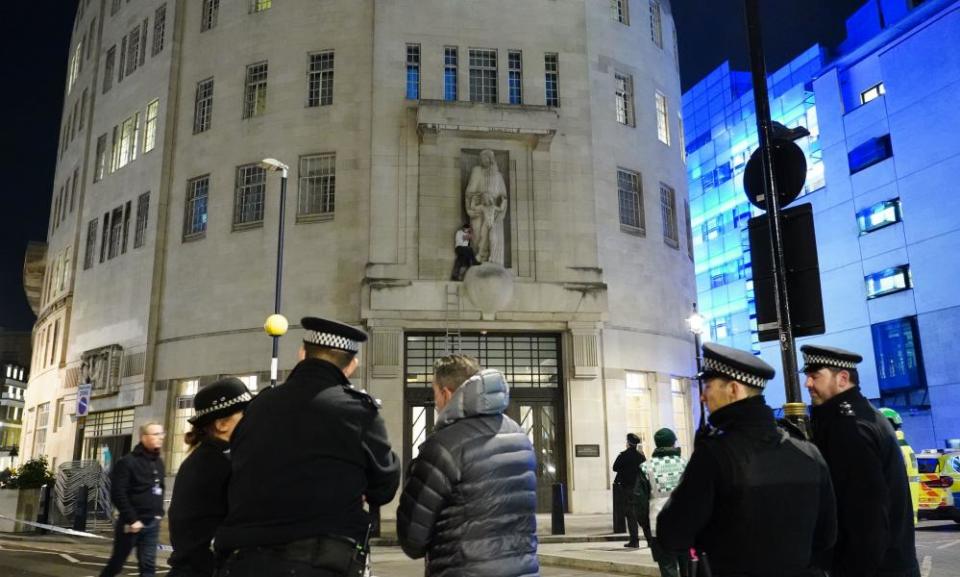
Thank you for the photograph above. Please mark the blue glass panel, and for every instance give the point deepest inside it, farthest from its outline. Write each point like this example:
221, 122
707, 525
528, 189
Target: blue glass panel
896, 345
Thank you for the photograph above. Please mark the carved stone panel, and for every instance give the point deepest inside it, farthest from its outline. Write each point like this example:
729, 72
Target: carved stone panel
102, 367
485, 184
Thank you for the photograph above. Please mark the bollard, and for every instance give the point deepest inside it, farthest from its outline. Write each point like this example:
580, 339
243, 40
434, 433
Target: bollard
374, 521
43, 515
80, 510
619, 515
559, 506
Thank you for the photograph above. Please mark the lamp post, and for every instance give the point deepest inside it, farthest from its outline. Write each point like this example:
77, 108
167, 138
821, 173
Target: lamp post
276, 325
696, 323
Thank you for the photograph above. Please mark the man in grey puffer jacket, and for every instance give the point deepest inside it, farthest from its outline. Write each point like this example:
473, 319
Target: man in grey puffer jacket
469, 499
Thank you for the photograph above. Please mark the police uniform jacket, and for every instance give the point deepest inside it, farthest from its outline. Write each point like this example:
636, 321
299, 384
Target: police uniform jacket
757, 501
305, 456
198, 506
627, 467
874, 509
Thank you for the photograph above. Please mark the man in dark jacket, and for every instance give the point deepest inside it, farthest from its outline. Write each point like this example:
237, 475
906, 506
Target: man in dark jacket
137, 490
627, 469
752, 500
470, 496
306, 457
874, 508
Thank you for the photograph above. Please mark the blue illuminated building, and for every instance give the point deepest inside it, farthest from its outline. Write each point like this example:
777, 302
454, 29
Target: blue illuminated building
883, 164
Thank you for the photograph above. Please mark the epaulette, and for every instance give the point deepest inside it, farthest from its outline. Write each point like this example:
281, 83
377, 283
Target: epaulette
363, 395
846, 410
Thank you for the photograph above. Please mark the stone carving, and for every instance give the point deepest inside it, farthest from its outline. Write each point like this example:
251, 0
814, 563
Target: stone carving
486, 204
102, 367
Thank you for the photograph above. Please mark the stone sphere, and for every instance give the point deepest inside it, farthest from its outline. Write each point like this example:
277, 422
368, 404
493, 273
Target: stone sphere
490, 287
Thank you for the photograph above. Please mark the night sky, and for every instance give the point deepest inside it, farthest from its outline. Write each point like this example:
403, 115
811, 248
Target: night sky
36, 37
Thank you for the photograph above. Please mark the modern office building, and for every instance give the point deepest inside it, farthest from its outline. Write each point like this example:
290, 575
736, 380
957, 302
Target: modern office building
882, 152
163, 235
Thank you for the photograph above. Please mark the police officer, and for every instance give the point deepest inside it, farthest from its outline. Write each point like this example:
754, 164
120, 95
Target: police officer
199, 501
306, 457
873, 498
627, 468
753, 500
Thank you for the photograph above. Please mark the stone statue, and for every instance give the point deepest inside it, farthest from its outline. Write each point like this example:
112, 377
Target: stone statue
486, 204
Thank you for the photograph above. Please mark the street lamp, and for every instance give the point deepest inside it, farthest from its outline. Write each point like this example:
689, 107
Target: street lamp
696, 324
276, 325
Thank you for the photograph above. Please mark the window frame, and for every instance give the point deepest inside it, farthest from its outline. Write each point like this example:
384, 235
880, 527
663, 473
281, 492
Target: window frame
902, 271
203, 105
515, 77
484, 77
321, 66
250, 190
668, 216
635, 202
197, 195
623, 99
316, 186
551, 72
412, 69
255, 86
451, 73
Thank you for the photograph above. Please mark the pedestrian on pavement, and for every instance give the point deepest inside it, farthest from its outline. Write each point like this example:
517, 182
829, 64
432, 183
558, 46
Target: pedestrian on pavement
752, 500
470, 497
137, 487
306, 457
874, 507
199, 501
625, 501
663, 472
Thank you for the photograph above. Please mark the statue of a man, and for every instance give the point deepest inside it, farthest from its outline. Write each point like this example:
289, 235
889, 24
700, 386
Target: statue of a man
486, 204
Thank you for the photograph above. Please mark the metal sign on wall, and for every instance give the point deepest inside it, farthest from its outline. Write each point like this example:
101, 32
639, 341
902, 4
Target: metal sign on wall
83, 399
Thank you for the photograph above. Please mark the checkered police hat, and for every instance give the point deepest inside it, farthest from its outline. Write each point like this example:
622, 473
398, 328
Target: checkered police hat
734, 364
332, 335
816, 357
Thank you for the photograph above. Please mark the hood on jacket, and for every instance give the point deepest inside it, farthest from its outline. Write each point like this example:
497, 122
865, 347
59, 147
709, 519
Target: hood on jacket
485, 393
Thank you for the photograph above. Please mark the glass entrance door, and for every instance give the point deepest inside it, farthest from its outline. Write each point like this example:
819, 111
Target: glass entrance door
538, 419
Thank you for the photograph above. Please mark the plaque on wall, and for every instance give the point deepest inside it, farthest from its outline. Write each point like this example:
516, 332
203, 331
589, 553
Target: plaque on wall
587, 450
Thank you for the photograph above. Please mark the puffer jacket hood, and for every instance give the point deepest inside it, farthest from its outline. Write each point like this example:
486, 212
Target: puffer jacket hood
485, 393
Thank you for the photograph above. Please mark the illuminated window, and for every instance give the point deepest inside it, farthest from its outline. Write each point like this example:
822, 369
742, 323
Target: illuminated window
869, 153
183, 410
413, 71
515, 78
879, 215
262, 5
450, 65
195, 209
889, 281
872, 93
150, 129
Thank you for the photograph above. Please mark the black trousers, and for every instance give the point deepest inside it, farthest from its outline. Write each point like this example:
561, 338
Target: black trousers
264, 563
144, 541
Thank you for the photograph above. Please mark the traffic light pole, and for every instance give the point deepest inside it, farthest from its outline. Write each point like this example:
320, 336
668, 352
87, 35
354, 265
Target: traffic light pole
794, 409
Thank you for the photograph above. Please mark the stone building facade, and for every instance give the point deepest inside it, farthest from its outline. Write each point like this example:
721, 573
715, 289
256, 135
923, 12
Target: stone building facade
381, 110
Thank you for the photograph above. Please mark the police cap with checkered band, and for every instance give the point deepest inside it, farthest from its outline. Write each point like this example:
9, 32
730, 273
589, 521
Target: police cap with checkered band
816, 357
332, 335
219, 399
736, 365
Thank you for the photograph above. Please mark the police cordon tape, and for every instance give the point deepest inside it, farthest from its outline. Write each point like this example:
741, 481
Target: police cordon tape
71, 532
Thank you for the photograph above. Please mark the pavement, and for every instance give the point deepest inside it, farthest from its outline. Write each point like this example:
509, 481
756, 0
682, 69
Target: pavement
587, 550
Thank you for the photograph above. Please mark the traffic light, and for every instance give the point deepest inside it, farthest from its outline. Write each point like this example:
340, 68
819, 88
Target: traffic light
802, 275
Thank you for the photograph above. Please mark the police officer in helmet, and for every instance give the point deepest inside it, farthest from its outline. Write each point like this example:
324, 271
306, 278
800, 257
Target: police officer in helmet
752, 500
306, 457
874, 507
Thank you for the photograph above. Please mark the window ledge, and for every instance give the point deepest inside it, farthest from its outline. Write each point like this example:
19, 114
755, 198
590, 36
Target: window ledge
238, 227
633, 230
194, 236
318, 217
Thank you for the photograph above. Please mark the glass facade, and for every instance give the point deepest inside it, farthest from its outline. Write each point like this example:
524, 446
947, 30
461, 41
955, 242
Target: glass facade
720, 135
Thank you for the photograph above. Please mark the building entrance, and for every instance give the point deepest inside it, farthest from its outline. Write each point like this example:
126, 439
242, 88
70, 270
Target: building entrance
531, 364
